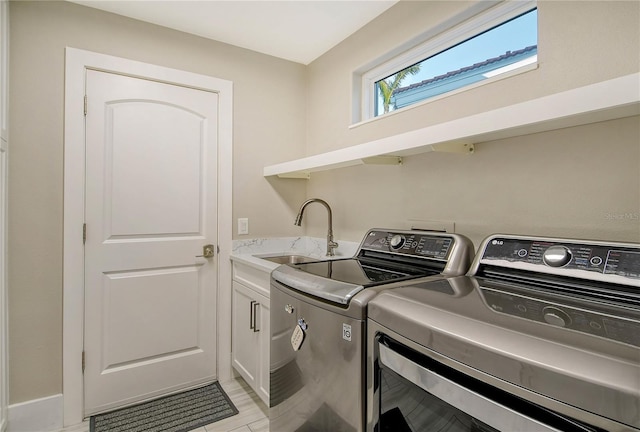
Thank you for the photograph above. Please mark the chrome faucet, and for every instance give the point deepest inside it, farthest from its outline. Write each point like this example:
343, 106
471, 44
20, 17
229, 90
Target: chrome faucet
331, 245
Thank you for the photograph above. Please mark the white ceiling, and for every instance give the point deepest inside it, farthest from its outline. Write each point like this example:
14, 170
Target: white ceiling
296, 30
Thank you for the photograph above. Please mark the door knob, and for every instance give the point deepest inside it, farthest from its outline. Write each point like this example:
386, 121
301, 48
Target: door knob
207, 251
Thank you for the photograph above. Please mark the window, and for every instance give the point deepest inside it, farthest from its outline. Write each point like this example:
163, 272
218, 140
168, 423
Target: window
500, 40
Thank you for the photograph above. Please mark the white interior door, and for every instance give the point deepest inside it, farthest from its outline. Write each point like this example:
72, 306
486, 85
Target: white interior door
150, 207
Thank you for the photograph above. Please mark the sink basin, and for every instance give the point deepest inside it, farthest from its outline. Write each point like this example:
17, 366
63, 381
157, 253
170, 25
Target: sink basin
288, 259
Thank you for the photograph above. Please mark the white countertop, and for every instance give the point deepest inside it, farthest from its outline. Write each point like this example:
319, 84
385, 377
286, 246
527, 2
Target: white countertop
248, 251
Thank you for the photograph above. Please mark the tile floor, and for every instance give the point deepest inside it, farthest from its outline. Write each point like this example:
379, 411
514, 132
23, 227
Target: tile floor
253, 414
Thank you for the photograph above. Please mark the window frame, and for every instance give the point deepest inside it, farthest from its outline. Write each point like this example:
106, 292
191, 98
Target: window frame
460, 31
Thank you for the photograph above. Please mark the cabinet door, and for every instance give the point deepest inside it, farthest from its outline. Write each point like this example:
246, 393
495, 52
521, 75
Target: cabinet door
265, 339
244, 339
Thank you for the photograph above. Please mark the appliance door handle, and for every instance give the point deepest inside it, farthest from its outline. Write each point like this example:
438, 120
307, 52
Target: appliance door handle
492, 413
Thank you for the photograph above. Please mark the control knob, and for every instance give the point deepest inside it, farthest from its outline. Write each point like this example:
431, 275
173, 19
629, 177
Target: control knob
556, 317
557, 256
397, 241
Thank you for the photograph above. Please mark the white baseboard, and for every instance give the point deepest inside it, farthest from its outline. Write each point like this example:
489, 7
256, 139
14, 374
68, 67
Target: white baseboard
38, 415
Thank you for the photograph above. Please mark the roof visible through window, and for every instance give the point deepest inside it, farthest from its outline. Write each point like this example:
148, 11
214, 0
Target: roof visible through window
502, 48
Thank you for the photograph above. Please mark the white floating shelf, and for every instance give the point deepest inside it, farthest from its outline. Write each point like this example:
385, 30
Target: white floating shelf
606, 100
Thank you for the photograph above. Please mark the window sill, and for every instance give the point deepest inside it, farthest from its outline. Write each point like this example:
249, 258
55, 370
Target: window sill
607, 100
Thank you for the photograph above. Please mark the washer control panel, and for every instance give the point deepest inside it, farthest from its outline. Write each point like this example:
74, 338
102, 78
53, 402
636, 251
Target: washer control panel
409, 243
583, 320
620, 260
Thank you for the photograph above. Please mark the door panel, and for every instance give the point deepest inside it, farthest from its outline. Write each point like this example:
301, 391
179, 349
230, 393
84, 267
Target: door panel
151, 182
168, 140
135, 329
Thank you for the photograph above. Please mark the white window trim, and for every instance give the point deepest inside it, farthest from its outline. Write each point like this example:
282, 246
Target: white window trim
465, 28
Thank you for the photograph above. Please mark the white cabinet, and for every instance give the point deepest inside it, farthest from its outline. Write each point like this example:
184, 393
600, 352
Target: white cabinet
250, 333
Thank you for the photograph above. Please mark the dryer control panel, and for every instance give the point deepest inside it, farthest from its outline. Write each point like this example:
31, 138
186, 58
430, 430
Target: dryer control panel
564, 257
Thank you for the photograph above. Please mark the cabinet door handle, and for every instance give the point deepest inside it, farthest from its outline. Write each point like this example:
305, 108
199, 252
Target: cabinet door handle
255, 313
252, 321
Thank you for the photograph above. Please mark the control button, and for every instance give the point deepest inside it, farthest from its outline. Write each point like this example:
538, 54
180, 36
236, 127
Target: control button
595, 325
557, 256
522, 253
556, 317
521, 308
596, 261
397, 241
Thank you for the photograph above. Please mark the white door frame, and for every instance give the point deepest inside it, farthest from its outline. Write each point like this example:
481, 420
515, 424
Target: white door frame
4, 206
77, 62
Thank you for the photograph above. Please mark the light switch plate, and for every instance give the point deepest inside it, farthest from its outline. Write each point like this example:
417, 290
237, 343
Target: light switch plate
243, 225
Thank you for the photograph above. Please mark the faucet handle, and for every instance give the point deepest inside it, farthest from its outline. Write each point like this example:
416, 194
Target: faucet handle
331, 245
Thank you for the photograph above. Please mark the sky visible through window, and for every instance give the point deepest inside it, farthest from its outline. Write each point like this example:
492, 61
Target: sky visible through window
514, 35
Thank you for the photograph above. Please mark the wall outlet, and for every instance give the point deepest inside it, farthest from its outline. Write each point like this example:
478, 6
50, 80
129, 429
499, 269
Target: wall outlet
243, 225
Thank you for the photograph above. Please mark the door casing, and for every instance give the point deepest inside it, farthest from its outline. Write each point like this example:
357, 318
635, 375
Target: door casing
76, 63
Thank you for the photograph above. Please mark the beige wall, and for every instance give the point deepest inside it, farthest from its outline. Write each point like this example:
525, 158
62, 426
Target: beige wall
266, 130
579, 43
576, 182
581, 182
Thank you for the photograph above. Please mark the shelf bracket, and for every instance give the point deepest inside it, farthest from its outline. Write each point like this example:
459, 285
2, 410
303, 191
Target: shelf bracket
454, 147
382, 160
296, 175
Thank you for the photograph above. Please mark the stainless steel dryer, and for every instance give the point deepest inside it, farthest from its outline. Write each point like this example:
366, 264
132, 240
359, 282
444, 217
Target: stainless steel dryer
544, 335
318, 324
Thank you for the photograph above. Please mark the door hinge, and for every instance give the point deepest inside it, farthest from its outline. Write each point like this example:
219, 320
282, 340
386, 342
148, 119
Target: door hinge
84, 233
83, 361
86, 103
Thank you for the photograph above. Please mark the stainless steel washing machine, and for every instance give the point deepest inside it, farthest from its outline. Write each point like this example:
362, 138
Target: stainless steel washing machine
318, 324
